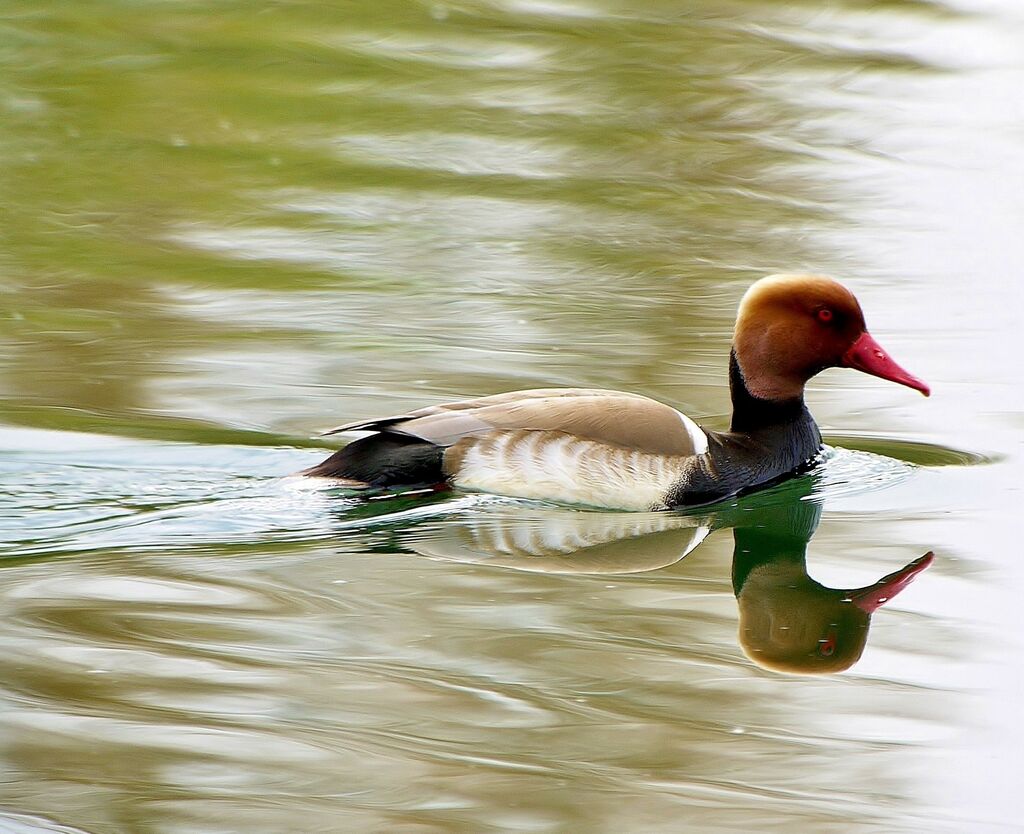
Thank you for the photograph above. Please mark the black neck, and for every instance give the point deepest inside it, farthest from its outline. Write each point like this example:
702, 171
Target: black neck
769, 440
750, 413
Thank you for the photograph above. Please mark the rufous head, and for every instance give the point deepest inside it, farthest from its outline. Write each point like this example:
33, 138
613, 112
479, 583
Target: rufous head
791, 327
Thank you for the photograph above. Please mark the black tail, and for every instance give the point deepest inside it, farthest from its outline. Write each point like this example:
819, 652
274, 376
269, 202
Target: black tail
385, 460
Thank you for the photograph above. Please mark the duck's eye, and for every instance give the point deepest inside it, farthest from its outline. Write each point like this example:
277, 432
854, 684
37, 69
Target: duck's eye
824, 315
827, 644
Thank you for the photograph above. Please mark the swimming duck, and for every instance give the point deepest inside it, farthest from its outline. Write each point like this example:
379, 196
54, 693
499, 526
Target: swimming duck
626, 451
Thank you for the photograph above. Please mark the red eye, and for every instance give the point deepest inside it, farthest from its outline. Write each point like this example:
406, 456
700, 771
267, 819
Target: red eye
827, 644
824, 314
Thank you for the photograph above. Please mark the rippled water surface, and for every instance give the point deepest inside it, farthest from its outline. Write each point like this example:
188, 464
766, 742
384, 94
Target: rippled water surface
229, 226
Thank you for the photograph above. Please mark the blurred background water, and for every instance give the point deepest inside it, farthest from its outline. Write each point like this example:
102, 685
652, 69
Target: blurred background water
227, 226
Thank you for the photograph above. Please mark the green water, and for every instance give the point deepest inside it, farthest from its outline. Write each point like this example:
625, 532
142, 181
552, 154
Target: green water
225, 227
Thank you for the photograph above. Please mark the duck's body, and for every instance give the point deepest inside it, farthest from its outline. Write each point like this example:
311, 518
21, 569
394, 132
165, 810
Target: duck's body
626, 451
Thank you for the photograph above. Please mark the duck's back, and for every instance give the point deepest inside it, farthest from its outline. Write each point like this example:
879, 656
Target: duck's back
589, 446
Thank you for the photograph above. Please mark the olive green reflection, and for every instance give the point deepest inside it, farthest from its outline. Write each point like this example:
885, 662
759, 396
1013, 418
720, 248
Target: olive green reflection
788, 622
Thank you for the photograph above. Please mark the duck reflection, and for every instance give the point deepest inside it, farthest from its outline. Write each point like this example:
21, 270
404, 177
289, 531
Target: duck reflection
788, 622
566, 541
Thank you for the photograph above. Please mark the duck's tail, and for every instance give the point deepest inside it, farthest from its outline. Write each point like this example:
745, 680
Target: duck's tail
384, 459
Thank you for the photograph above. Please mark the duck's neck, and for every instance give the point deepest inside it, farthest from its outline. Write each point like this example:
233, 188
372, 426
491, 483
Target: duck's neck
768, 440
750, 414
787, 558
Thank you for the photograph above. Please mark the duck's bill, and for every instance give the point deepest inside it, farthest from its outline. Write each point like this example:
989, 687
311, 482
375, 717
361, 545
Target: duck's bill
873, 597
867, 355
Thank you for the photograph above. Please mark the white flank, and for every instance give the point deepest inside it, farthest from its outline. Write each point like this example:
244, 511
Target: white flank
700, 440
570, 470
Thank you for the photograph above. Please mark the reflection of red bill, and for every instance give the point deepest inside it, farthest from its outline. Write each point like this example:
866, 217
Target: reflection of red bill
867, 355
875, 596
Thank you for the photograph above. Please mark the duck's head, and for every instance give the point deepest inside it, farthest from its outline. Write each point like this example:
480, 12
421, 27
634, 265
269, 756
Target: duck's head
791, 327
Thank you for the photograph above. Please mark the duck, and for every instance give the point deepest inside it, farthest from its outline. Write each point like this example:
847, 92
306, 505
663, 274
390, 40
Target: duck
625, 451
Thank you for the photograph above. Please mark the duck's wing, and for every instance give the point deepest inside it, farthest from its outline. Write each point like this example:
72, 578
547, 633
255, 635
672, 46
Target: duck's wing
611, 417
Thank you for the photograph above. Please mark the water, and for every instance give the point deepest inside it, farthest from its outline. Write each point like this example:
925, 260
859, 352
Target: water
227, 228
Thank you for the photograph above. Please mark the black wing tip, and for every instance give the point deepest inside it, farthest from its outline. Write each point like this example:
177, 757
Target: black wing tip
383, 459
364, 425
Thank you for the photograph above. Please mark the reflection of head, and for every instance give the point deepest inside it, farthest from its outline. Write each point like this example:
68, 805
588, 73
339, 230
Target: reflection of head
790, 623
